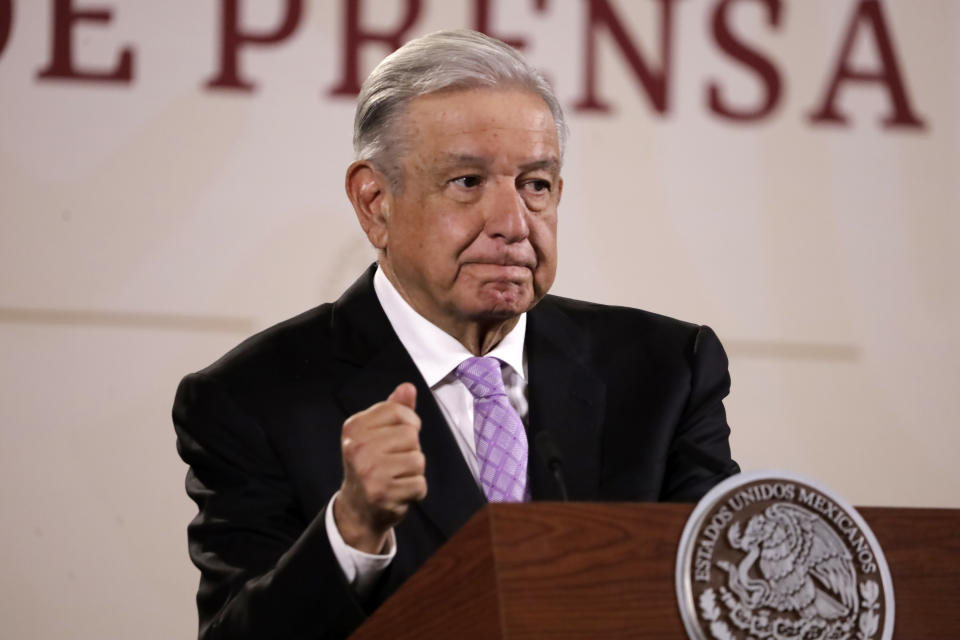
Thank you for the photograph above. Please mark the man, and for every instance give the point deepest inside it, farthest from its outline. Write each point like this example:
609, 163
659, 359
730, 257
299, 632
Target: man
331, 455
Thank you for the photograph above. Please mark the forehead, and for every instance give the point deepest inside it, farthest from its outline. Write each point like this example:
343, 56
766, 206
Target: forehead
494, 124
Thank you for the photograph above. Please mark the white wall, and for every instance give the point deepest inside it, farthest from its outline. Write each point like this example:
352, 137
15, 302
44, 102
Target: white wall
147, 227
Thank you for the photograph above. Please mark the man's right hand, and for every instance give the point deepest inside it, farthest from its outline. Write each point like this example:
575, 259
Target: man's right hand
382, 470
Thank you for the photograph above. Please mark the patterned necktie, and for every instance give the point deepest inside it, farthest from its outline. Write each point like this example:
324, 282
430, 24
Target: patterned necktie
498, 430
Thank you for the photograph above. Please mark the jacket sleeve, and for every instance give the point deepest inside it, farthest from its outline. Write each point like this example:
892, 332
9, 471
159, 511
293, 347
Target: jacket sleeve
266, 569
699, 455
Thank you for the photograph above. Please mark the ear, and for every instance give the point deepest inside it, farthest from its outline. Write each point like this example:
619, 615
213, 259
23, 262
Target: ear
369, 192
559, 189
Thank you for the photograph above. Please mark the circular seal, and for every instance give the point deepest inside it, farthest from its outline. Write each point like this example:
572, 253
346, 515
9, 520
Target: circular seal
772, 556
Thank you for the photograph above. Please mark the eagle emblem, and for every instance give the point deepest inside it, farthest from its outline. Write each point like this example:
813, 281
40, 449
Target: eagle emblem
775, 557
804, 565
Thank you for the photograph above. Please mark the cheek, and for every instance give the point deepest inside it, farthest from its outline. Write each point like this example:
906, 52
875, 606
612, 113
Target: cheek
457, 231
543, 237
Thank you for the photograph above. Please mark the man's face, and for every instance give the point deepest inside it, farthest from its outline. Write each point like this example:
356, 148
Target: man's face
471, 233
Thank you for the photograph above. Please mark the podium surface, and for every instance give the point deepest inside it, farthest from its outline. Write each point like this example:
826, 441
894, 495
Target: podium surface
588, 570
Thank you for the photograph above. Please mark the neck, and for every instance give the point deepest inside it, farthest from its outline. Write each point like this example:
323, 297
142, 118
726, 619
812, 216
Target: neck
480, 338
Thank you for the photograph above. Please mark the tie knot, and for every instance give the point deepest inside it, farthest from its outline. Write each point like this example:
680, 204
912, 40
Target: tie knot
481, 376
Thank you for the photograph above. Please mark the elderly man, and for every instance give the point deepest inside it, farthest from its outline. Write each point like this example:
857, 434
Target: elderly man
332, 454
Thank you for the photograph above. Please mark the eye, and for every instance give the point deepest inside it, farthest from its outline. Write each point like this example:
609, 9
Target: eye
538, 186
468, 182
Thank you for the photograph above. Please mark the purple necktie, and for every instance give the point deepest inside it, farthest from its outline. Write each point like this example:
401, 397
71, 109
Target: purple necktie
501, 440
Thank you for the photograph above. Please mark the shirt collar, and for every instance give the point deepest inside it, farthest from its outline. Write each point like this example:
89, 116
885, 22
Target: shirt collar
435, 352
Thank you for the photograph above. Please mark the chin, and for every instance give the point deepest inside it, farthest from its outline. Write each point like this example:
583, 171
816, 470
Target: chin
502, 305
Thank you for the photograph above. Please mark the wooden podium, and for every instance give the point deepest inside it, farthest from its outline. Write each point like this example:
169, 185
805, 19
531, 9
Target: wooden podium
584, 570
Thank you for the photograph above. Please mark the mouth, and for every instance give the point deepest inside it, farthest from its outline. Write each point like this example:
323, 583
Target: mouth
503, 259
510, 271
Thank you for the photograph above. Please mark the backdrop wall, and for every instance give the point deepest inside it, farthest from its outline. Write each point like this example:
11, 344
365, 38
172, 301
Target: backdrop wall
171, 174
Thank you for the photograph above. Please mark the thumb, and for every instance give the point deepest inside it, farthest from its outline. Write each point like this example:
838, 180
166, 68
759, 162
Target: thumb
405, 394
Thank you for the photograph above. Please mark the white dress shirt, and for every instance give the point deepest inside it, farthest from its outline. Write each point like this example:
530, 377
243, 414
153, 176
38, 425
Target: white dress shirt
436, 355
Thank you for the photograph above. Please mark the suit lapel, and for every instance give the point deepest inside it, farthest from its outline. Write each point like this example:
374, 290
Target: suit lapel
566, 399
366, 339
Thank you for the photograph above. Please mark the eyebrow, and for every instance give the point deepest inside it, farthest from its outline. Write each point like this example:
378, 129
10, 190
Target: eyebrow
458, 159
550, 164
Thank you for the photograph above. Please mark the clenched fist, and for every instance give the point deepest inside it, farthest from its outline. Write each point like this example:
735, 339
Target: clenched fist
382, 470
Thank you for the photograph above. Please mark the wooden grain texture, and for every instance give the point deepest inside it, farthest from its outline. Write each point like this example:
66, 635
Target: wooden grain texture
589, 571
922, 547
453, 595
576, 570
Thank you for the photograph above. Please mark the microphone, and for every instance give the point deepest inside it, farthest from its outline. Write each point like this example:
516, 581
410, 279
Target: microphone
550, 455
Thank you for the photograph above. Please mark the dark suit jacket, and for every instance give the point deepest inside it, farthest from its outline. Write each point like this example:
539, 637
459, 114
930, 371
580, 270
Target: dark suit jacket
632, 399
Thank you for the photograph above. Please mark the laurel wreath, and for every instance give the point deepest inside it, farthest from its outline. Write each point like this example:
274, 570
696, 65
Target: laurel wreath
869, 618
759, 626
711, 613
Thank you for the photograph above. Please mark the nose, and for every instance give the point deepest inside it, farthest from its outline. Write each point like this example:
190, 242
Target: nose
507, 214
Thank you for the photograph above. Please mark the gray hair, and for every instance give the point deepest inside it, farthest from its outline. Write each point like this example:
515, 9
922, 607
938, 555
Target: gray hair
461, 59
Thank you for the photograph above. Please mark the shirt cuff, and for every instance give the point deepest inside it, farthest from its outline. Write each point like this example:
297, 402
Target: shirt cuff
361, 569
